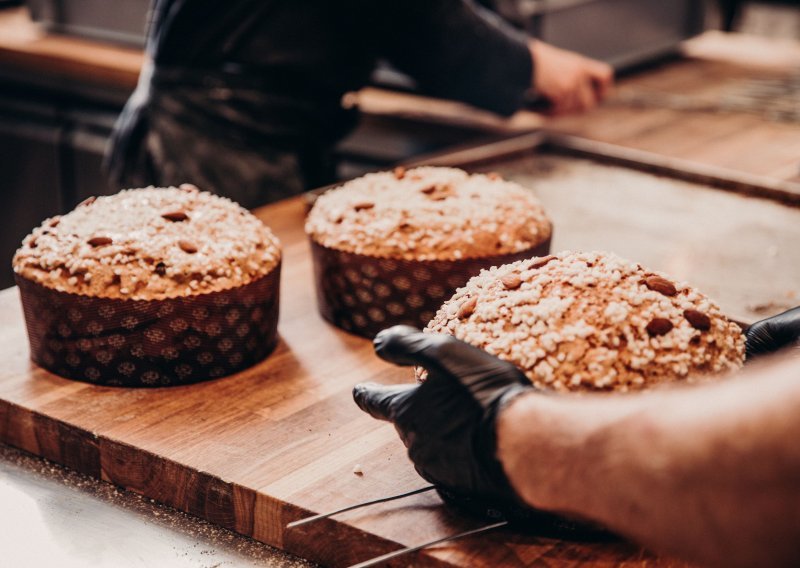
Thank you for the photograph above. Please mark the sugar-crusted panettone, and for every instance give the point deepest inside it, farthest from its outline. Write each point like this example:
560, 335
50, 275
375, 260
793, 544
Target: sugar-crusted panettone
150, 287
428, 213
389, 247
592, 322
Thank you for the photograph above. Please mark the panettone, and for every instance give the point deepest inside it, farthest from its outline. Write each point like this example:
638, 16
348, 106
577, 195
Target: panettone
150, 286
389, 247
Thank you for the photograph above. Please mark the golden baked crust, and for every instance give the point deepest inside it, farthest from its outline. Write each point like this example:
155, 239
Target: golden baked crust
428, 213
149, 244
592, 321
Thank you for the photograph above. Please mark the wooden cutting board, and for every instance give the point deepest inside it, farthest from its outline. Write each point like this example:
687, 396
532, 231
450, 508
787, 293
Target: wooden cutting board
257, 450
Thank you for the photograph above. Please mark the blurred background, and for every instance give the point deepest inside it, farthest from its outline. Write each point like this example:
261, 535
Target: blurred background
53, 131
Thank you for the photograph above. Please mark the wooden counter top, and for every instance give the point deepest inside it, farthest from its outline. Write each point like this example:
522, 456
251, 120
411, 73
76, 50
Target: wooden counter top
677, 109
280, 440
277, 442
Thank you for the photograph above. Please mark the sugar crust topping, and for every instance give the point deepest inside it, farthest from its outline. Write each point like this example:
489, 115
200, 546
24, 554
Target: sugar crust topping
149, 244
592, 322
428, 213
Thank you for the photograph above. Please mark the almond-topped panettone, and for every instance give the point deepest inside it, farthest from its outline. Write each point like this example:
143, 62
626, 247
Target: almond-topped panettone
429, 213
150, 287
389, 247
592, 322
149, 244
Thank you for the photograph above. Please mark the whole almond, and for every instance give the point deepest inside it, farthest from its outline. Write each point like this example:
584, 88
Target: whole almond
187, 247
427, 190
511, 281
449, 243
87, 201
55, 221
175, 216
698, 320
468, 307
399, 172
659, 326
100, 241
660, 285
542, 261
363, 205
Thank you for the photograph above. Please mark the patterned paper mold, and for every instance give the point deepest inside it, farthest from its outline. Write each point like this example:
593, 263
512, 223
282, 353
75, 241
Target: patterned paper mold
389, 247
133, 343
364, 295
592, 322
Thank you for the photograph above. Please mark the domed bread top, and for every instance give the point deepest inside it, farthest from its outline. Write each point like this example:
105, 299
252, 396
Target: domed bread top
428, 213
149, 244
592, 321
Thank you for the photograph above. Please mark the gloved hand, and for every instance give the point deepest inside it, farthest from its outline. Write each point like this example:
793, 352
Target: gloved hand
448, 422
772, 334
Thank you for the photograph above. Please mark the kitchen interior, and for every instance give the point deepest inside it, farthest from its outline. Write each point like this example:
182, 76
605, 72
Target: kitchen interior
67, 68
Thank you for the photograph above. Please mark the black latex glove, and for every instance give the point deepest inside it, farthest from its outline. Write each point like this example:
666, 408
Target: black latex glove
772, 334
448, 422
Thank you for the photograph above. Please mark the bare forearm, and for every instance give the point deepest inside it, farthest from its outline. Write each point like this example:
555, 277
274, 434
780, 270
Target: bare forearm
708, 473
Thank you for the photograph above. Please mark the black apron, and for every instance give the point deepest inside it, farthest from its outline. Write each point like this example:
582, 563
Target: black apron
243, 97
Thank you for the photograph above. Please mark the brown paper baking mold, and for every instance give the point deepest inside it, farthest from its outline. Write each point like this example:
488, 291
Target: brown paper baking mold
151, 343
364, 294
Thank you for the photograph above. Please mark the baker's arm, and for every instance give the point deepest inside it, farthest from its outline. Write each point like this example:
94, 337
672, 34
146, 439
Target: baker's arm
459, 50
710, 473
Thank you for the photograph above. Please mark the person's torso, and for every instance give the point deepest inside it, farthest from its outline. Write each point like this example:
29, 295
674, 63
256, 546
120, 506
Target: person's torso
267, 69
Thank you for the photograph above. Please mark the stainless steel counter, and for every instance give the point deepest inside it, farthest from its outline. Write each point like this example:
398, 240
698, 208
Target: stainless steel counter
52, 516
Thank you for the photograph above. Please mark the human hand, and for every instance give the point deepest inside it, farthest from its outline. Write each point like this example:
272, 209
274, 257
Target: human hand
448, 422
772, 334
571, 82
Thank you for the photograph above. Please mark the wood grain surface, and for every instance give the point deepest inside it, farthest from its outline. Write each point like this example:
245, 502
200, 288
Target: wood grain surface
666, 109
273, 444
